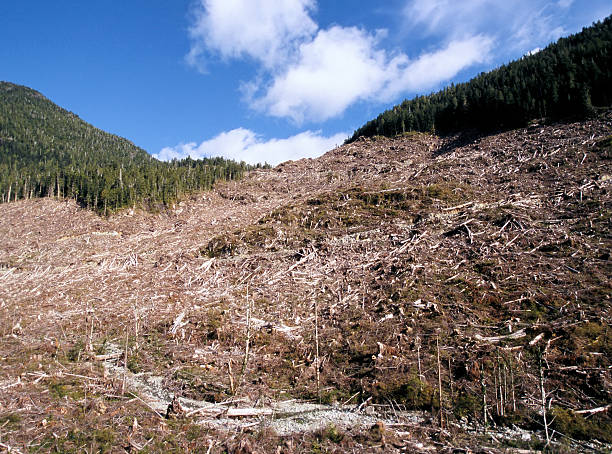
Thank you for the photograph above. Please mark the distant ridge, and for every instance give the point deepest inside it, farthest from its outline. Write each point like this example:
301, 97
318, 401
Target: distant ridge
566, 79
48, 151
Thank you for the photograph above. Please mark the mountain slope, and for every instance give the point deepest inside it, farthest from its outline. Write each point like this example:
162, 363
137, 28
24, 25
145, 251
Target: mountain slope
372, 277
566, 79
48, 151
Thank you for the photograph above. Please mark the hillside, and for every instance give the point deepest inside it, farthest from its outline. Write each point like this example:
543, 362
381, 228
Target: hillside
569, 78
48, 151
374, 299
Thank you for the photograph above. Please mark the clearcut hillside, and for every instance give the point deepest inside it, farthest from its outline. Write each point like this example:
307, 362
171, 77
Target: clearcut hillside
407, 294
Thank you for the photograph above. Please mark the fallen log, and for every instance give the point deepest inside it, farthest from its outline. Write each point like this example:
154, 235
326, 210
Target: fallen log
107, 357
495, 339
592, 411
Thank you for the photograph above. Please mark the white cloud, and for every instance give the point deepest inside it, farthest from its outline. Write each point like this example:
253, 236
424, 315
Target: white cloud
266, 30
439, 14
430, 69
534, 51
337, 68
516, 24
245, 145
344, 65
312, 74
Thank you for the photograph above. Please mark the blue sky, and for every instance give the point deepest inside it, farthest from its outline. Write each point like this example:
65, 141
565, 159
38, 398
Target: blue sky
262, 80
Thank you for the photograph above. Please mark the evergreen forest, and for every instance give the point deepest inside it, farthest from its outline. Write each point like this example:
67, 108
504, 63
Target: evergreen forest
46, 151
569, 78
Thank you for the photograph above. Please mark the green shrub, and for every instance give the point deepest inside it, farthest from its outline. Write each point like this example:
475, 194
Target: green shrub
413, 393
577, 426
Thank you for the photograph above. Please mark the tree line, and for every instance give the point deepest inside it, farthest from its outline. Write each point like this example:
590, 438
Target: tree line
46, 151
566, 79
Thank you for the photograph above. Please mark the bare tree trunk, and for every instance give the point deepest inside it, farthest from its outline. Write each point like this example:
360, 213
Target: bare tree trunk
501, 386
543, 392
440, 383
505, 387
136, 329
231, 377
248, 339
125, 363
89, 346
418, 346
495, 386
317, 349
450, 380
483, 387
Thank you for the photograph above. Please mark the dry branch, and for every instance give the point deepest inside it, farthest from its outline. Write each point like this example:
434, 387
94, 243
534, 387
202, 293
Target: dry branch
592, 411
495, 339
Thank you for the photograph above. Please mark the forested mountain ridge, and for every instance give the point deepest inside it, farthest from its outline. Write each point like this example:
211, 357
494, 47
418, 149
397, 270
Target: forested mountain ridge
48, 151
568, 78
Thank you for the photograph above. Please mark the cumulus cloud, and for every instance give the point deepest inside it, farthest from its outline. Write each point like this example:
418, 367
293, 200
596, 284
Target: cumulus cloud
266, 30
312, 74
344, 65
245, 145
338, 67
432, 68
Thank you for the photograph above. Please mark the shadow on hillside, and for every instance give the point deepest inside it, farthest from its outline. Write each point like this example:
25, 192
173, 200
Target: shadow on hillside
454, 141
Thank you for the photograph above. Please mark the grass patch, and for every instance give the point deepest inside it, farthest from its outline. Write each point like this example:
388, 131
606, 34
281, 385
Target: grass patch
75, 352
332, 433
331, 396
82, 440
414, 393
10, 420
577, 426
65, 389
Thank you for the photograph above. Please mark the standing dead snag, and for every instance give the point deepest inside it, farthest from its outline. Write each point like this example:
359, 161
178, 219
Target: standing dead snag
505, 386
90, 318
125, 362
136, 328
483, 387
417, 341
247, 346
316, 307
543, 394
496, 388
499, 389
231, 377
440, 382
450, 382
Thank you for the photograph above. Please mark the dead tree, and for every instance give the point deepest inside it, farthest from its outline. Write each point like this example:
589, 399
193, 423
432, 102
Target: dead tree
543, 394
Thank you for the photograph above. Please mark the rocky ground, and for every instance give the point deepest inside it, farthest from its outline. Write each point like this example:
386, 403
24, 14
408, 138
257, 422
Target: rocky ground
415, 294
